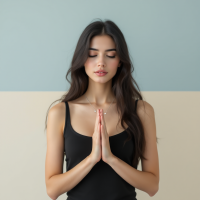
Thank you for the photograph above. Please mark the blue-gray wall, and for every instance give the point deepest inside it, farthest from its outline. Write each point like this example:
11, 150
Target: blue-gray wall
38, 38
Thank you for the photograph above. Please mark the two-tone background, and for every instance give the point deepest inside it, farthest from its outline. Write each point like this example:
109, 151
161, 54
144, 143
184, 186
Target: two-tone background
37, 41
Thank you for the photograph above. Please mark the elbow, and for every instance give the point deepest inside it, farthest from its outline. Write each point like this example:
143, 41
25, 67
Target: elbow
154, 187
51, 194
154, 191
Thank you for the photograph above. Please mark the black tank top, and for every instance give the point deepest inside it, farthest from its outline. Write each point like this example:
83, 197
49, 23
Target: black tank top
102, 182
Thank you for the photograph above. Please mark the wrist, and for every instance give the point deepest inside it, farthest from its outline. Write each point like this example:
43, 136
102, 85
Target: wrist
111, 160
91, 160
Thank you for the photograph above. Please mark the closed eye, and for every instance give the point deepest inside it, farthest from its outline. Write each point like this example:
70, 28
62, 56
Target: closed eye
107, 56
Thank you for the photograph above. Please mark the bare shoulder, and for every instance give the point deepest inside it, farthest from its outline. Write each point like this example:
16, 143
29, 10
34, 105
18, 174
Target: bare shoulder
145, 112
144, 109
57, 114
58, 108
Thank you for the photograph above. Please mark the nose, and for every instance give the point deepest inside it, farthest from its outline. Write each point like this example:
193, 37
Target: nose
101, 61
101, 65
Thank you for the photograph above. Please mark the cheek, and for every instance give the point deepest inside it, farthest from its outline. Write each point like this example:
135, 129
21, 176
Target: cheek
89, 62
89, 65
113, 64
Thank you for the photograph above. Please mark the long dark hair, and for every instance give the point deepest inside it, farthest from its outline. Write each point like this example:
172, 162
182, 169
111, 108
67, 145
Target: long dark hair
123, 84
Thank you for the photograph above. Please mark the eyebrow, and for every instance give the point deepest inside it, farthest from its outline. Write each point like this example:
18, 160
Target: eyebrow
105, 50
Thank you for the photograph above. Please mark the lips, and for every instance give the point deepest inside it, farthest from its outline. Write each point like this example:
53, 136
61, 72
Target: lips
101, 74
100, 71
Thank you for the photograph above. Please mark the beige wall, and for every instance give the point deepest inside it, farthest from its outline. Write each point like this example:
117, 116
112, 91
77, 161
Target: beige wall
23, 144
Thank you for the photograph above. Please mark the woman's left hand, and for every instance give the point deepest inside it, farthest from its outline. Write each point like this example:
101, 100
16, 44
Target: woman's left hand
105, 144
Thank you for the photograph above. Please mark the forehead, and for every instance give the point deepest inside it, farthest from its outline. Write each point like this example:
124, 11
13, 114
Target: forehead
102, 42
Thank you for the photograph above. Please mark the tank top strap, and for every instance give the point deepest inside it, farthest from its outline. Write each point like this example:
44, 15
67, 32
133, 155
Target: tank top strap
66, 117
136, 104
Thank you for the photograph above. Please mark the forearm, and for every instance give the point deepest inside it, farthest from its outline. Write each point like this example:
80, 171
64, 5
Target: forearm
141, 180
61, 183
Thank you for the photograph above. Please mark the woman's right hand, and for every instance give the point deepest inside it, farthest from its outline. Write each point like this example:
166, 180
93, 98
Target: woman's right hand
96, 141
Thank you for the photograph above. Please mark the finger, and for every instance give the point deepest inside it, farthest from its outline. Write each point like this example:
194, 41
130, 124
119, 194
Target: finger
99, 130
102, 130
102, 118
97, 121
103, 122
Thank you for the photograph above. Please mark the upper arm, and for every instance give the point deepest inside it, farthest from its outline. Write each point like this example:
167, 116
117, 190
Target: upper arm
55, 141
147, 117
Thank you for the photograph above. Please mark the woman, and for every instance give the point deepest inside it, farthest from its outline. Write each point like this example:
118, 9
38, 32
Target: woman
102, 154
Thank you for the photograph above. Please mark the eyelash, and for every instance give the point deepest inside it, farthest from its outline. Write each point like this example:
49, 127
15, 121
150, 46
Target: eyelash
108, 56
